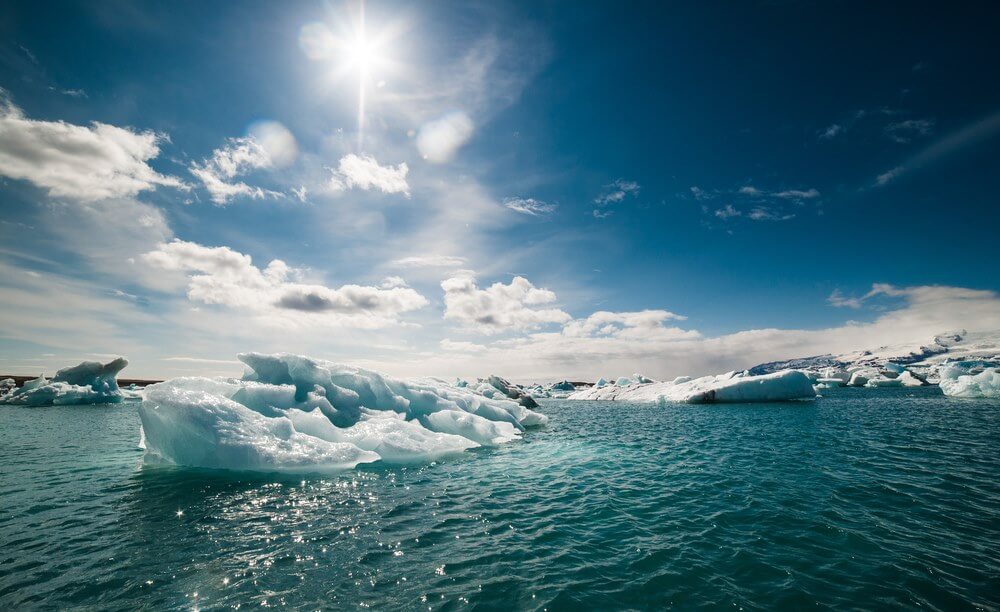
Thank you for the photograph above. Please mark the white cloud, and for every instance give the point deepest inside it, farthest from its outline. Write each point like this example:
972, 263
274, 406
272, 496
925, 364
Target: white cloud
966, 137
236, 157
839, 300
429, 261
797, 194
617, 191
641, 325
905, 131
529, 206
499, 307
84, 163
438, 140
727, 212
364, 172
222, 276
603, 345
456, 346
831, 132
886, 177
764, 213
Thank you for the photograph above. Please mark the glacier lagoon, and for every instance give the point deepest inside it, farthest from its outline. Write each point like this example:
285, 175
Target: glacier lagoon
863, 495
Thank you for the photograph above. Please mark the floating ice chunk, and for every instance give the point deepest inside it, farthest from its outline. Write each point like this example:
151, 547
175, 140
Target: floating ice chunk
830, 382
730, 387
471, 426
884, 382
908, 379
956, 382
563, 385
200, 429
387, 434
857, 380
600, 382
512, 391
295, 413
90, 382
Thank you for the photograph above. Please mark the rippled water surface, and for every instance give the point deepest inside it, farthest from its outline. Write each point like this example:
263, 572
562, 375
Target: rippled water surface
871, 498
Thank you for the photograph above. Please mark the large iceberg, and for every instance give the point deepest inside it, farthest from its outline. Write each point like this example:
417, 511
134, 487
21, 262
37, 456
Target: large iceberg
957, 381
292, 413
90, 382
734, 387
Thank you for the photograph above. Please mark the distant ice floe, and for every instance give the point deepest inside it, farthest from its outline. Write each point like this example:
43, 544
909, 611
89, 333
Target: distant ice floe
958, 380
90, 382
293, 413
734, 387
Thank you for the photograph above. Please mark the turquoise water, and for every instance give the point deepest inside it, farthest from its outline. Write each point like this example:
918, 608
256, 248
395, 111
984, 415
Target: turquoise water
865, 498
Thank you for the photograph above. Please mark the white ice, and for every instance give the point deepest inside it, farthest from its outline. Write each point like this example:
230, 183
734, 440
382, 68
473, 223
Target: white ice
292, 413
90, 382
957, 381
732, 387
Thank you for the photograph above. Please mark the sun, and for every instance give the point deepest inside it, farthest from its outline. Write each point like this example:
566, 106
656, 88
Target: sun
352, 51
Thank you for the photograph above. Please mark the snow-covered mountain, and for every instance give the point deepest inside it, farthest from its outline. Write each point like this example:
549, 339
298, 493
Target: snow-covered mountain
921, 357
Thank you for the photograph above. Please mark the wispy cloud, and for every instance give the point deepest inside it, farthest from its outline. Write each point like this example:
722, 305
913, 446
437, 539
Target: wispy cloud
831, 131
955, 142
238, 156
617, 191
429, 261
905, 131
614, 193
727, 212
529, 206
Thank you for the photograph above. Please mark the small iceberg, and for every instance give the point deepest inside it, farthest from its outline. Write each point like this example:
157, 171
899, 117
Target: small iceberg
726, 388
296, 414
90, 382
957, 381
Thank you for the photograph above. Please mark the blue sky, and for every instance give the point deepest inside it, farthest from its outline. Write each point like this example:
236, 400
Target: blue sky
540, 189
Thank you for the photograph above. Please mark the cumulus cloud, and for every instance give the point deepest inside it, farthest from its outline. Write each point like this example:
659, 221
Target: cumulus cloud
438, 140
641, 325
529, 206
84, 163
238, 156
606, 344
499, 307
365, 173
224, 277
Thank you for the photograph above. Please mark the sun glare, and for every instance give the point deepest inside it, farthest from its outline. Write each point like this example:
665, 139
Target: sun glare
351, 52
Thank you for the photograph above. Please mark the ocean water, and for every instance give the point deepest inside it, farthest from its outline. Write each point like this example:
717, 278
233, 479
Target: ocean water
864, 498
